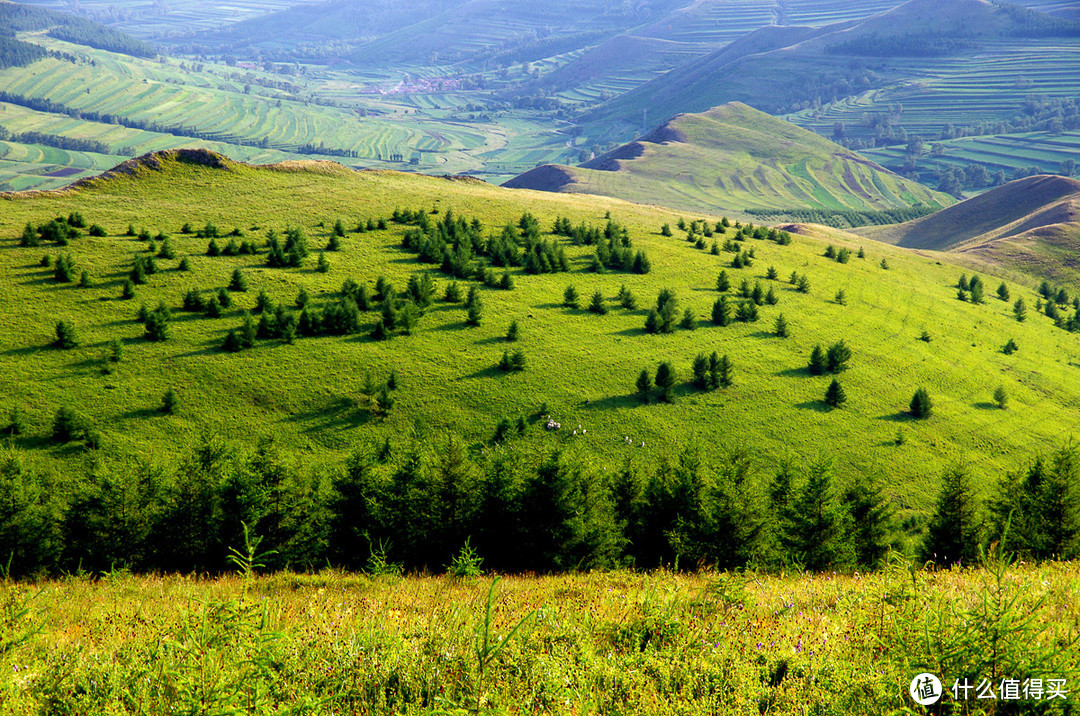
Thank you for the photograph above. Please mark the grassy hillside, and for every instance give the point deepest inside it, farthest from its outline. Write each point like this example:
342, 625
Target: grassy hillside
1030, 225
610, 643
1015, 208
580, 364
734, 158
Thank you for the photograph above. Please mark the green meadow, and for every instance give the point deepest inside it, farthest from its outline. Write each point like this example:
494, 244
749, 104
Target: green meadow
581, 365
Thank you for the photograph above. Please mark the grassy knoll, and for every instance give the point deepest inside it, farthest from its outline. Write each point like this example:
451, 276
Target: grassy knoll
733, 158
605, 643
580, 364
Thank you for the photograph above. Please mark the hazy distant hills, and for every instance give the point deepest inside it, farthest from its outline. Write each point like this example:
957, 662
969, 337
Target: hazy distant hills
736, 158
777, 67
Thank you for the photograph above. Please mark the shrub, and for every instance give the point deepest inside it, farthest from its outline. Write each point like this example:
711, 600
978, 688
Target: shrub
1001, 397
1010, 347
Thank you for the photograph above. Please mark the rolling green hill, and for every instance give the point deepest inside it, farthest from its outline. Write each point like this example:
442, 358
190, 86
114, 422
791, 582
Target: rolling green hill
1031, 225
734, 158
308, 394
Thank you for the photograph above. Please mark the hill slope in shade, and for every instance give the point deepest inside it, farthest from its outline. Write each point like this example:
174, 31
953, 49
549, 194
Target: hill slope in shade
1015, 208
734, 158
1030, 225
582, 365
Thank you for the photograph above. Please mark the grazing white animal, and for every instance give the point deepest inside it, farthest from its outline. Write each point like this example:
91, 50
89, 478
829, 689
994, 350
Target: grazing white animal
642, 443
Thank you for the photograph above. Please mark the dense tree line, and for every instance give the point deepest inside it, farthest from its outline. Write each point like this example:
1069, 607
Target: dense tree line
416, 504
72, 28
16, 53
71, 144
844, 218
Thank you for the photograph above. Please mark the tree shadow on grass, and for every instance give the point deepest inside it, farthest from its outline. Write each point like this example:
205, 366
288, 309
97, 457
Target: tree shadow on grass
492, 371
801, 372
613, 402
818, 406
631, 332
983, 405
143, 413
901, 416
337, 412
27, 350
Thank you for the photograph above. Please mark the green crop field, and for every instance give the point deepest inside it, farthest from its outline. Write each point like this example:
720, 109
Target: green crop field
1009, 152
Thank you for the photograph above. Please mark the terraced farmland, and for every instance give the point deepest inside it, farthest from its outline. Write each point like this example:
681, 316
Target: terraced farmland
959, 90
1007, 152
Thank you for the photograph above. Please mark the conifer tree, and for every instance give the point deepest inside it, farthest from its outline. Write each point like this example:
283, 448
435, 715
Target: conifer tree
953, 531
724, 372
1001, 397
841, 297
170, 402
665, 381
474, 313
232, 342
323, 264
721, 312
644, 385
517, 359
212, 249
1003, 292
871, 520
803, 284
781, 327
66, 336
513, 333
570, 297
834, 395
1020, 310
838, 356
652, 321
688, 322
597, 305
701, 371
815, 527
921, 405
818, 362
238, 282
453, 293
771, 298
248, 332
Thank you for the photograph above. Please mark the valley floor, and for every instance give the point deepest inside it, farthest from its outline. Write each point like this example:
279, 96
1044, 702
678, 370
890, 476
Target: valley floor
618, 642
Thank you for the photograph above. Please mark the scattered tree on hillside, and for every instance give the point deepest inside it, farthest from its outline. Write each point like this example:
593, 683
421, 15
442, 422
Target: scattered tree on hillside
1020, 310
665, 381
644, 385
780, 328
170, 402
597, 305
818, 363
66, 337
834, 395
570, 297
921, 405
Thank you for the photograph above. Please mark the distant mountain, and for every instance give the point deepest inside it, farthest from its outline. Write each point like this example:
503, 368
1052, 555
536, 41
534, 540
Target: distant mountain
736, 158
777, 68
1031, 225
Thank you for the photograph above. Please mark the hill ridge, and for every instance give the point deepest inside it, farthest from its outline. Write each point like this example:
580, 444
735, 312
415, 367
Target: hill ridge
734, 158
